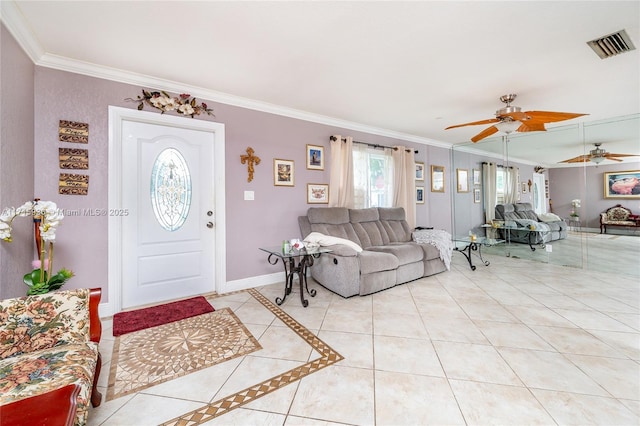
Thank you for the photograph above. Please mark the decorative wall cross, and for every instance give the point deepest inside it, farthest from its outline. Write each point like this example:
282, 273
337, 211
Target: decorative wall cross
250, 160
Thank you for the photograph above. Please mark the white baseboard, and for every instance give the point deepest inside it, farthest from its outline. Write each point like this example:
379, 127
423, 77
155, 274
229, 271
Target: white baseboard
107, 309
253, 282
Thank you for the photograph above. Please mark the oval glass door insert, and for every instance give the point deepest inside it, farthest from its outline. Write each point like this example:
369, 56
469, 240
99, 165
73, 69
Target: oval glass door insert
170, 189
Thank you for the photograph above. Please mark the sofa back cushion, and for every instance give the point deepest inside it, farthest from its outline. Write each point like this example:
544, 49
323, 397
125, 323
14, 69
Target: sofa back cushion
394, 222
618, 213
43, 321
366, 224
525, 211
516, 211
332, 221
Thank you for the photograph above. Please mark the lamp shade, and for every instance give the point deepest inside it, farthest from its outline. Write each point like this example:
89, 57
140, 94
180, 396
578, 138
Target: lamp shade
597, 160
508, 126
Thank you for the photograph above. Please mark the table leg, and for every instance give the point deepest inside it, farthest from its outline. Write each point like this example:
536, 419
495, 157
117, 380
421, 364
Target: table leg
305, 262
289, 271
468, 255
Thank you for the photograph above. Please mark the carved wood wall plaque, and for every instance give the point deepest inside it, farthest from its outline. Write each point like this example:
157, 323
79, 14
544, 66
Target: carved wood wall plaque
72, 158
73, 184
71, 131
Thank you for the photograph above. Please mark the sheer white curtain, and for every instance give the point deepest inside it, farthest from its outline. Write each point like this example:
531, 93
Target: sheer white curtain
404, 178
511, 185
341, 177
489, 182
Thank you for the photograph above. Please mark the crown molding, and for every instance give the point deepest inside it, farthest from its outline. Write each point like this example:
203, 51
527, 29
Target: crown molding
12, 18
113, 74
19, 28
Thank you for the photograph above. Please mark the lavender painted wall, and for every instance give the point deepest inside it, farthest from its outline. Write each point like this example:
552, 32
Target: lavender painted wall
569, 183
270, 218
16, 161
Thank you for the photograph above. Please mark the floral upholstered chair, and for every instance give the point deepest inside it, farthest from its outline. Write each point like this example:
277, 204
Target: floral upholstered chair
48, 342
617, 216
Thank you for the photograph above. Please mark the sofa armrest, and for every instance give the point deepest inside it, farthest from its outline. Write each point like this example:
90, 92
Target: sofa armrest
342, 250
94, 316
57, 407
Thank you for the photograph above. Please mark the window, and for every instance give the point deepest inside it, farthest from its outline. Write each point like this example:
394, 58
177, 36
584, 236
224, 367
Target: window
170, 189
501, 185
373, 177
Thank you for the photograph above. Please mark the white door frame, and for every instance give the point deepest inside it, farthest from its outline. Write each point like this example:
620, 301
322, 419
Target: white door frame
116, 116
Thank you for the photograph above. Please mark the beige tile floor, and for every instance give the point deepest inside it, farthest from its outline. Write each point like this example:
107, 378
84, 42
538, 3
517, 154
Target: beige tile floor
516, 342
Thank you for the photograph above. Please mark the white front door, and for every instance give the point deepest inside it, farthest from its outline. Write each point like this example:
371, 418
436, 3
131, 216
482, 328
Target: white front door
166, 210
167, 247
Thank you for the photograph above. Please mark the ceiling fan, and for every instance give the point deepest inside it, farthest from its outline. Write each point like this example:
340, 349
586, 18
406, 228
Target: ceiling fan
597, 155
510, 118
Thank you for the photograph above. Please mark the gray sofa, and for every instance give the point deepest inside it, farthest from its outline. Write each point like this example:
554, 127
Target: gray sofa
388, 257
550, 227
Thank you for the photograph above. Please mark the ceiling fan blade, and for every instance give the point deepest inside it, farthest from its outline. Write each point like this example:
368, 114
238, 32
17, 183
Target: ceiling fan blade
483, 134
532, 126
578, 159
608, 154
489, 121
550, 116
612, 158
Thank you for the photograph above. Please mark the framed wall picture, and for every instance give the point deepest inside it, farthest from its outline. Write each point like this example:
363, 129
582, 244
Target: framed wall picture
524, 187
476, 177
317, 193
437, 178
624, 184
283, 172
476, 195
462, 176
419, 171
419, 194
315, 157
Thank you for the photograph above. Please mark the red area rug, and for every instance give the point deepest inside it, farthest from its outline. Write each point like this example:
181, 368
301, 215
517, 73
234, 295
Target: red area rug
127, 322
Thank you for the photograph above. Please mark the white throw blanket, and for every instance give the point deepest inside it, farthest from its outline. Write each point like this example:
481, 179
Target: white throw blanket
328, 240
439, 238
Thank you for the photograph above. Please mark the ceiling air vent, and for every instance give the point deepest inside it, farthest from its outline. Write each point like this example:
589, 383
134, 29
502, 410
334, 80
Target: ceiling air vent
612, 44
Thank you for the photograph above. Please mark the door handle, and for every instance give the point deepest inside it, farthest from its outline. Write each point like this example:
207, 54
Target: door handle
209, 225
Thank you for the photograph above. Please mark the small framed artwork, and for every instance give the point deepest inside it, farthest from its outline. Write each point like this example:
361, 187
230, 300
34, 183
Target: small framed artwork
476, 195
315, 157
463, 180
437, 178
419, 194
524, 187
419, 171
624, 184
283, 172
476, 176
317, 193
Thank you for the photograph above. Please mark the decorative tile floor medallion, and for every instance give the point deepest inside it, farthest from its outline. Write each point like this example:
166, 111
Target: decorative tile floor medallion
155, 355
217, 408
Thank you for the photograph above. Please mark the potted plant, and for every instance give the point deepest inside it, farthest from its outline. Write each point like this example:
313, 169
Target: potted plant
46, 217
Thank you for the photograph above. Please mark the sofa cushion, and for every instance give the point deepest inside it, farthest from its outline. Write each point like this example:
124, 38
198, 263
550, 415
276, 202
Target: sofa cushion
367, 226
406, 253
375, 261
333, 215
394, 222
525, 211
42, 321
43, 370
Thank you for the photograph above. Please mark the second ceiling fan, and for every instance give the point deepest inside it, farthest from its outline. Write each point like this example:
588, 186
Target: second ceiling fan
511, 118
597, 155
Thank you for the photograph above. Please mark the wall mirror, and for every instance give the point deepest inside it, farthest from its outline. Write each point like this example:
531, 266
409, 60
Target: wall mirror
551, 186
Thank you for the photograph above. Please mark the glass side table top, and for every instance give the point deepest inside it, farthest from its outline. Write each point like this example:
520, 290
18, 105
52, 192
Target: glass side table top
278, 251
479, 240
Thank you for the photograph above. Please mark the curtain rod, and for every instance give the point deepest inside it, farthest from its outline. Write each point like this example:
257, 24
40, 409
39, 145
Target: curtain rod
499, 165
373, 145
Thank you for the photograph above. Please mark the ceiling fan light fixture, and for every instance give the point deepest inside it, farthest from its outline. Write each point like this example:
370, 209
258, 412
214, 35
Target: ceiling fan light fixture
597, 160
508, 126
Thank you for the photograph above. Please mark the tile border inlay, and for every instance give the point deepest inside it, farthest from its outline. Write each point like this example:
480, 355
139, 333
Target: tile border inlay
222, 406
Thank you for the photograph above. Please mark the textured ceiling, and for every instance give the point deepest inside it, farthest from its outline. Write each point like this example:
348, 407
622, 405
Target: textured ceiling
408, 67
